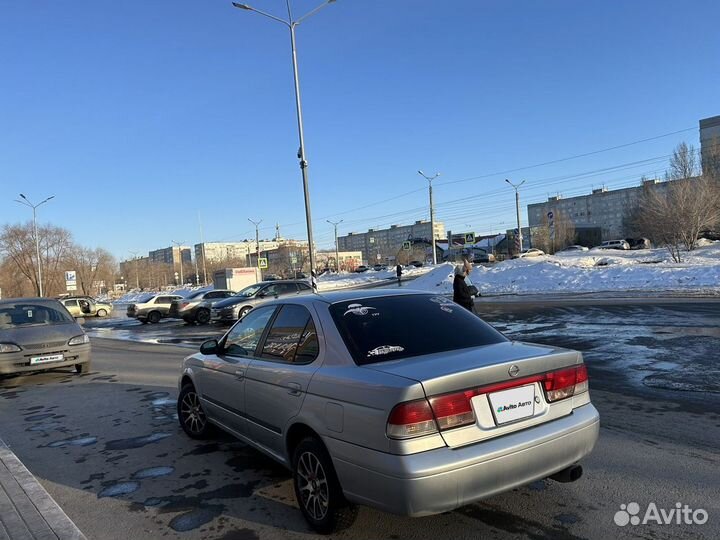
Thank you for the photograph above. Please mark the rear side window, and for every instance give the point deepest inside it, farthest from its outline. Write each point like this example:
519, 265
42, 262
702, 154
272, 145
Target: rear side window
395, 327
292, 337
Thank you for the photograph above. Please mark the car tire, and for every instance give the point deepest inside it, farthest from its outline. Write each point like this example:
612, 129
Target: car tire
202, 316
101, 313
244, 311
154, 317
318, 490
82, 368
191, 415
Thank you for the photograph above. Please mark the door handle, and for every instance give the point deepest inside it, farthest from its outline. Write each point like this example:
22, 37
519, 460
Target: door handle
293, 389
240, 373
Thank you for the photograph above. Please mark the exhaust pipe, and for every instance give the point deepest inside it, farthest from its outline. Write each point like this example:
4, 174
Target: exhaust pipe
571, 474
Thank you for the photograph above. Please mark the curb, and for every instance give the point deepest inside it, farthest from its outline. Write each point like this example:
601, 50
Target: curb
26, 507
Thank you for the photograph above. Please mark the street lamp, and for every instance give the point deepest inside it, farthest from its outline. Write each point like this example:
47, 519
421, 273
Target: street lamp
337, 252
291, 24
432, 212
179, 246
257, 241
517, 211
26, 202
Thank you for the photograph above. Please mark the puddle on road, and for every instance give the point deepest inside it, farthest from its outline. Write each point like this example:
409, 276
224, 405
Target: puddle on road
75, 441
153, 472
55, 426
164, 402
116, 490
37, 417
193, 519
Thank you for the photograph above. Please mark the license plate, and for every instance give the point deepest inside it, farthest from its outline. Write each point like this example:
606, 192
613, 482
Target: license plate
46, 359
513, 404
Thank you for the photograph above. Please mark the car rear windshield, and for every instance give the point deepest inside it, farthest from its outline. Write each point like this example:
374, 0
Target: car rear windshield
21, 315
394, 327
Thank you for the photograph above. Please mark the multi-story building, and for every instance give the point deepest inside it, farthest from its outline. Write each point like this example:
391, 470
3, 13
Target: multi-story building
171, 255
349, 260
710, 146
379, 244
605, 209
225, 251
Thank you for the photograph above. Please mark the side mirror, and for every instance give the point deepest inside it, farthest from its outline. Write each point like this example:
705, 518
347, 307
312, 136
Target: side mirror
209, 347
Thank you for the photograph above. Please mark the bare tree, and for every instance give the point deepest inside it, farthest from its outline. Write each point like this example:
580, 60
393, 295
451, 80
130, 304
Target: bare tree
683, 163
93, 266
564, 229
17, 242
674, 214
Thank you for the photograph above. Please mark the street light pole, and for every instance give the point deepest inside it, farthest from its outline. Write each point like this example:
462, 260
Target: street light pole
257, 241
291, 24
337, 251
34, 207
179, 246
517, 210
432, 213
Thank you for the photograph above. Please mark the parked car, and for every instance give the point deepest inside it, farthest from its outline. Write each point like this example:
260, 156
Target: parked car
484, 258
85, 306
416, 264
362, 268
639, 243
400, 401
532, 252
152, 308
379, 267
614, 244
195, 308
572, 248
38, 334
271, 277
235, 307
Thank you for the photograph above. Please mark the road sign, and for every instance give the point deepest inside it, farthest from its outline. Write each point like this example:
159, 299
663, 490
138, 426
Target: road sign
406, 246
469, 238
550, 215
262, 262
71, 280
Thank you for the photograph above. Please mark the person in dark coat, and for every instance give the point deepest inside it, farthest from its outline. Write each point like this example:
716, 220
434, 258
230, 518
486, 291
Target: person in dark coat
461, 292
398, 271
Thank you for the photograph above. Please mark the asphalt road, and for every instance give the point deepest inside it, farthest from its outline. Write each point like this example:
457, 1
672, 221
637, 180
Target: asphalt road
107, 446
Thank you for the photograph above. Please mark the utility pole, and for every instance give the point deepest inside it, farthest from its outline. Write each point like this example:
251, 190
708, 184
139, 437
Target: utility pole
257, 242
202, 244
291, 25
179, 246
517, 211
26, 202
432, 213
337, 251
277, 232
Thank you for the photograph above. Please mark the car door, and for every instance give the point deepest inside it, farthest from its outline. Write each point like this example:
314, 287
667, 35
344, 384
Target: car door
162, 303
222, 379
72, 307
277, 379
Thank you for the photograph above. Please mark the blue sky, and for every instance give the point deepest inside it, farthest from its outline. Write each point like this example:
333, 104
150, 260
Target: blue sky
138, 116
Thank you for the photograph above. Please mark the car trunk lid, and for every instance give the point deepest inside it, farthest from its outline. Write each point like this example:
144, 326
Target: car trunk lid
510, 371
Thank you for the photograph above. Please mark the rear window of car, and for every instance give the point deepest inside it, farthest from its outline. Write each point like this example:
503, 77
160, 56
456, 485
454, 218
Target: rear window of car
20, 315
395, 327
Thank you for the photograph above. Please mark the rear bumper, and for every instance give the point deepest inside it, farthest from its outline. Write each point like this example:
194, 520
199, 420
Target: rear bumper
444, 479
20, 362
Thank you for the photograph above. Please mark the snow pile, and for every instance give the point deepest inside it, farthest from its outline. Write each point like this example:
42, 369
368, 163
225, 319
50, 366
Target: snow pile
344, 280
587, 272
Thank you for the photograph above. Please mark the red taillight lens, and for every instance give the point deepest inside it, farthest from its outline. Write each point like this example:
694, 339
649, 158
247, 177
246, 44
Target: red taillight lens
411, 419
565, 383
184, 304
453, 410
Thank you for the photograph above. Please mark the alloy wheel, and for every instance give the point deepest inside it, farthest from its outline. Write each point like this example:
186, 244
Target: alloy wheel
192, 415
313, 486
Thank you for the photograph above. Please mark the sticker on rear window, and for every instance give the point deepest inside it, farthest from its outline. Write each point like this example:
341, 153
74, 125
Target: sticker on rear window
385, 349
358, 309
442, 300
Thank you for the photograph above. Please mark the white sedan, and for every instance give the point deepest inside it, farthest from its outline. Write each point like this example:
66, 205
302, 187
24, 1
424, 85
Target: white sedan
531, 253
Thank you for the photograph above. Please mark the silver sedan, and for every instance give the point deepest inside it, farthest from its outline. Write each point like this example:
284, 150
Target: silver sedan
400, 401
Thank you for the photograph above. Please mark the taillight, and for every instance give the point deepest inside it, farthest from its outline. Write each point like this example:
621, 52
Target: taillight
411, 419
453, 410
184, 304
565, 383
